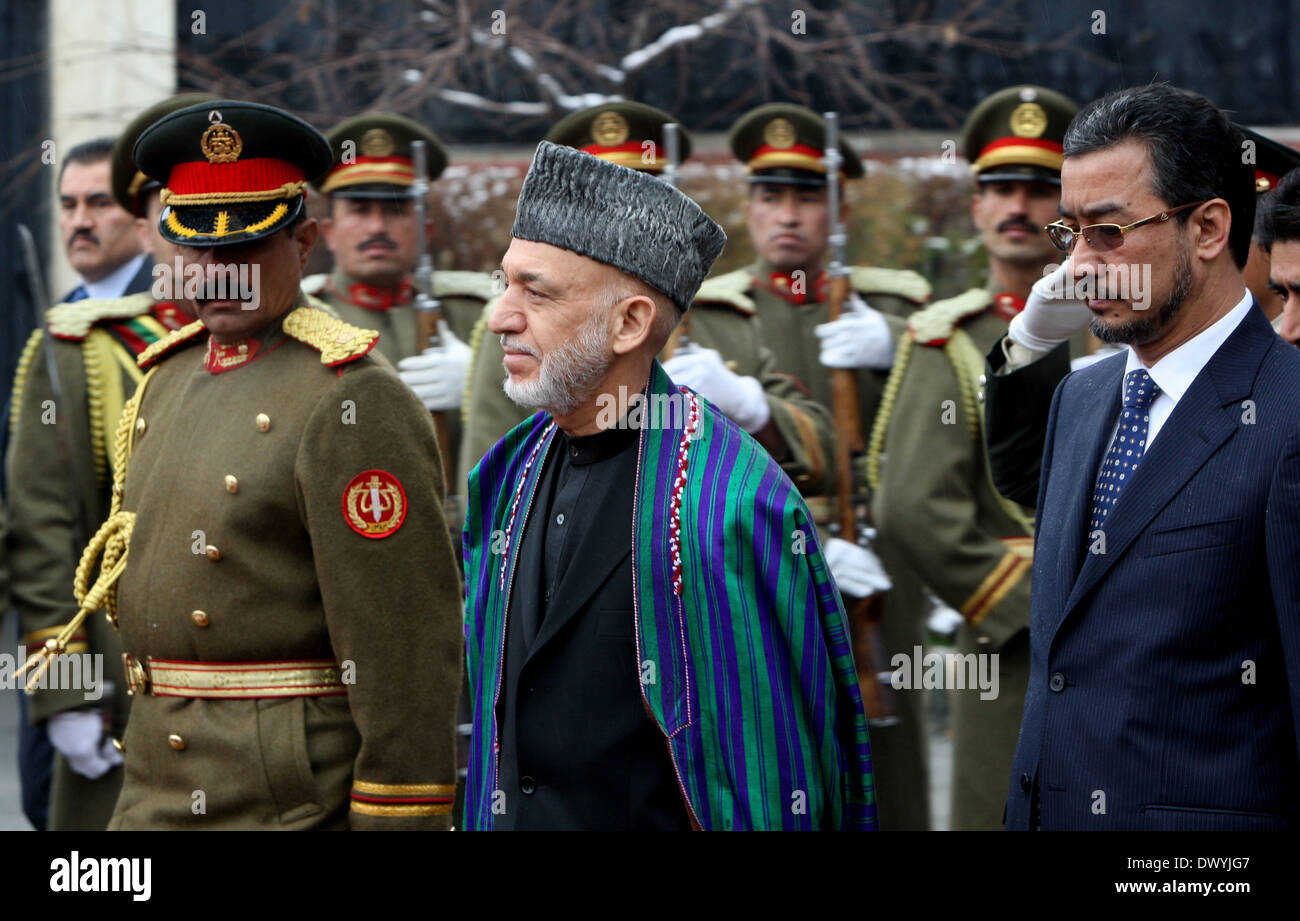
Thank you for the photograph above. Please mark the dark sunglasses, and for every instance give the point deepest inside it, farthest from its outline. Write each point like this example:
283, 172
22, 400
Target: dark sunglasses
1104, 237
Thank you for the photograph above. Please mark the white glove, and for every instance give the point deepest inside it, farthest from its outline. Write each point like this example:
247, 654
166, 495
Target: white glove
437, 375
78, 735
858, 339
943, 620
740, 398
857, 571
1049, 317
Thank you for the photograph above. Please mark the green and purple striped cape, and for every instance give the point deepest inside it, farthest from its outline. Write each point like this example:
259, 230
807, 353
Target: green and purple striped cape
747, 671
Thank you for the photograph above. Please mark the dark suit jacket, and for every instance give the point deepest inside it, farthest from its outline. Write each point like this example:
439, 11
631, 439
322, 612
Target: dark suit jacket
1165, 672
142, 280
1016, 405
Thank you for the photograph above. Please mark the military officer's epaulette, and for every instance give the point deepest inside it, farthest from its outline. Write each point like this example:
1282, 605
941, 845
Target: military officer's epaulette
167, 343
731, 289
464, 284
75, 320
337, 342
904, 283
933, 325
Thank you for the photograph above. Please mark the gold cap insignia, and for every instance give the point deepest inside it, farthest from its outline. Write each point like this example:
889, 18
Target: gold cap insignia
609, 129
220, 143
377, 143
779, 133
1028, 120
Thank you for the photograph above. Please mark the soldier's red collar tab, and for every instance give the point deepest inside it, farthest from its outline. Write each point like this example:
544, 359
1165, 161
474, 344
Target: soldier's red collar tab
369, 297
795, 289
185, 335
1006, 305
226, 357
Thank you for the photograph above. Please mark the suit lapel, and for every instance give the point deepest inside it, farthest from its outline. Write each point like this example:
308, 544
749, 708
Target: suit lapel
1197, 428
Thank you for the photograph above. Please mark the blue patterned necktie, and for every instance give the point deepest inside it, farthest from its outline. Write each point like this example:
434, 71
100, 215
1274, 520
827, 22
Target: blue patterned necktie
1128, 445
79, 293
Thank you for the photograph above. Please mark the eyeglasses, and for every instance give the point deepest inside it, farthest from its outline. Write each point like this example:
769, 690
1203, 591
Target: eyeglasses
1104, 237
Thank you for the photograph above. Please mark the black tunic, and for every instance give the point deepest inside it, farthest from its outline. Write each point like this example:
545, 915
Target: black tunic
578, 749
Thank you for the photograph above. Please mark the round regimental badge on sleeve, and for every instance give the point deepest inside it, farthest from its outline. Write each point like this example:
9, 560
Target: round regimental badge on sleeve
374, 504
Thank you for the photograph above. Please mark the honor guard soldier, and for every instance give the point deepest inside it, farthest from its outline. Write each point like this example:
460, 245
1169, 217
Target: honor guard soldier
724, 356
375, 230
291, 611
783, 148
933, 496
60, 476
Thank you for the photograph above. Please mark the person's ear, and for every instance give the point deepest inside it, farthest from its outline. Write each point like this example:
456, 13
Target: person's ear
304, 237
1213, 224
634, 318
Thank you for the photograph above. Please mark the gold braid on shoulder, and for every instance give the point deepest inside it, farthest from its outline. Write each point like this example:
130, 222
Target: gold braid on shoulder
880, 427
20, 377
475, 340
95, 410
108, 547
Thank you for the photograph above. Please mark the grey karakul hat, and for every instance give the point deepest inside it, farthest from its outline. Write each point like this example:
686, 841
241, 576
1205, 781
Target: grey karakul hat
618, 216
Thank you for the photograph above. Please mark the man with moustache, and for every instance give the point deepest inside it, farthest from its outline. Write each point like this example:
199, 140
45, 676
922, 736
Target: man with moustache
932, 494
724, 357
290, 613
654, 639
372, 233
1165, 641
61, 477
105, 242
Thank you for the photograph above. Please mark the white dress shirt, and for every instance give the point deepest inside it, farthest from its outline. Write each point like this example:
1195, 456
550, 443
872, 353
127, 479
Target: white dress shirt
1175, 372
114, 283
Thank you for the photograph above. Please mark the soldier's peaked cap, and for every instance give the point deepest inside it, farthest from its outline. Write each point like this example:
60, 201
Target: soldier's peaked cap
373, 158
619, 216
619, 132
231, 171
784, 144
1016, 134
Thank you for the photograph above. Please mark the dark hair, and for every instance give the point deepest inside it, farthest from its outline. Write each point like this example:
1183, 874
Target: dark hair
1264, 235
94, 151
1196, 152
1282, 206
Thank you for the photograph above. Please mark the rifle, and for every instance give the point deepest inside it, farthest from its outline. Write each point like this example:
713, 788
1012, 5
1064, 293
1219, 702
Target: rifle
863, 613
428, 311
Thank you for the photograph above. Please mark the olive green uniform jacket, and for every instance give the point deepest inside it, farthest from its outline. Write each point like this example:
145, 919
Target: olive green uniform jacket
461, 296
246, 546
720, 320
57, 500
789, 319
936, 502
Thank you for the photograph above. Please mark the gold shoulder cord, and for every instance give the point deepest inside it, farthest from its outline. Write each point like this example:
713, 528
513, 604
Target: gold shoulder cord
110, 542
20, 378
475, 340
880, 427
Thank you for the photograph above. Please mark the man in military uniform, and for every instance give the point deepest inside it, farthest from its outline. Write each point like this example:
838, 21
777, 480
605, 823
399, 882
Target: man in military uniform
59, 471
933, 497
291, 611
372, 231
1025, 365
726, 361
787, 290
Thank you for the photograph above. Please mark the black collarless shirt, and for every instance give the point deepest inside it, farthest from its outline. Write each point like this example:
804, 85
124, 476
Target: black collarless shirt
578, 748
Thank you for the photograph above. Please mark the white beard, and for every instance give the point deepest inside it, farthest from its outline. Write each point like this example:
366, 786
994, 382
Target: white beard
570, 373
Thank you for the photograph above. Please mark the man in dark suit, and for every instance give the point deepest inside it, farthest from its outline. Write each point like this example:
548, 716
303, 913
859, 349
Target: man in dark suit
1165, 619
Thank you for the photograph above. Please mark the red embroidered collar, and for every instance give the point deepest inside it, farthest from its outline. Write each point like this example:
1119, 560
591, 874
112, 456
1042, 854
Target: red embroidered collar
1006, 305
795, 289
369, 297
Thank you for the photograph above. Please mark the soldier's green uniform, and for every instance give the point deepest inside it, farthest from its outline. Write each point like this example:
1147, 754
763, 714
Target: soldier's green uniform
783, 145
372, 159
722, 318
291, 602
59, 478
934, 498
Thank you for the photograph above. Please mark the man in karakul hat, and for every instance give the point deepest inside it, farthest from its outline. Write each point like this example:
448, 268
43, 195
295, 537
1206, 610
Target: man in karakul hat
654, 639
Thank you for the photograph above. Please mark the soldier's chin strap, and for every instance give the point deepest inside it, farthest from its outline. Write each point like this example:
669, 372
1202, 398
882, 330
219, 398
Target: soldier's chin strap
108, 547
